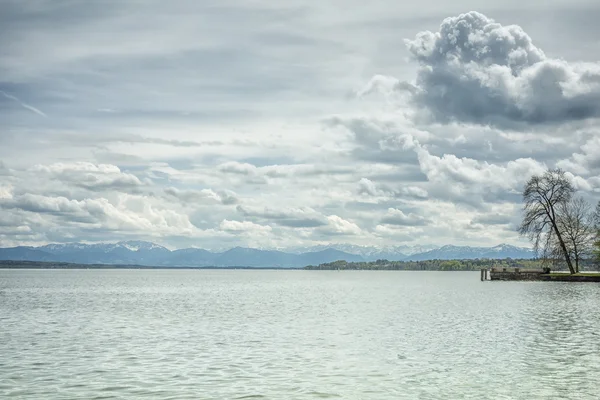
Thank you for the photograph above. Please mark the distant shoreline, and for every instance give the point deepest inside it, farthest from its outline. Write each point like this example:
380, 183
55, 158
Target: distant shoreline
4, 264
381, 265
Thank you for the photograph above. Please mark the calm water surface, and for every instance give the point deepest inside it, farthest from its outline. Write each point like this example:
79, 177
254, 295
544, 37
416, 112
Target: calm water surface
207, 334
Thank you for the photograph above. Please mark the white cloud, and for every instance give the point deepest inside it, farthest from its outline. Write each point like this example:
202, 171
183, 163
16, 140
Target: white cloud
587, 162
387, 85
477, 70
132, 214
338, 225
234, 167
398, 217
245, 227
449, 170
90, 176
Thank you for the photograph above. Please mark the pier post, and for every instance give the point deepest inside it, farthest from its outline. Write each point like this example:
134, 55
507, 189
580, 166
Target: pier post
482, 274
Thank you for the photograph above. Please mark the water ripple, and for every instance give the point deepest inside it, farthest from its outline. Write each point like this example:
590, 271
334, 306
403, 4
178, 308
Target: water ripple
103, 334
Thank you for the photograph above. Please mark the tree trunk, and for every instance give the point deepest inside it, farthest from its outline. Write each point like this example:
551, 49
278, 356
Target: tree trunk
564, 248
576, 258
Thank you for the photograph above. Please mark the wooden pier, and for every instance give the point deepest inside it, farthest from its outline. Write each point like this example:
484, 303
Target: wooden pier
544, 274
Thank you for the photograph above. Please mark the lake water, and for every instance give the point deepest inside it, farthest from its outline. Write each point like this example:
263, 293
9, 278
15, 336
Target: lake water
234, 334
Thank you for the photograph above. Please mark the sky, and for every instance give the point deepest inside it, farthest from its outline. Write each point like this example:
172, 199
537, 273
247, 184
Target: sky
281, 125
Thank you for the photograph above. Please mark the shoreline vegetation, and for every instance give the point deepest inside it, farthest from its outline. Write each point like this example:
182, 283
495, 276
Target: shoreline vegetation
434, 265
379, 265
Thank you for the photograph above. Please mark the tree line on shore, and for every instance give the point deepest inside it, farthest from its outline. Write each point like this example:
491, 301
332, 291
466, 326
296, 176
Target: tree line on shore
432, 265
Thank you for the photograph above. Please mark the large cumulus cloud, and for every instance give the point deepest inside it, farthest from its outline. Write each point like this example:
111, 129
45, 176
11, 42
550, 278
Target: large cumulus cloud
476, 70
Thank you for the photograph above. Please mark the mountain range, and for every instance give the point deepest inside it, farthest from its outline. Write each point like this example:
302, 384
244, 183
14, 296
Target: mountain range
151, 254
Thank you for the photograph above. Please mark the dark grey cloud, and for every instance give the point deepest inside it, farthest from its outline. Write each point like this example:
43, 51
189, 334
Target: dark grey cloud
478, 71
376, 140
494, 145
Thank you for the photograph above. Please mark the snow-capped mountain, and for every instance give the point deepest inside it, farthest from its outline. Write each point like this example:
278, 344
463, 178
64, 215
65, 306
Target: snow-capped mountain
132, 245
60, 248
137, 245
370, 253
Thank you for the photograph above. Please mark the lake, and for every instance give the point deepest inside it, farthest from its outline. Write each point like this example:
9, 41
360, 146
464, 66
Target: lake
276, 334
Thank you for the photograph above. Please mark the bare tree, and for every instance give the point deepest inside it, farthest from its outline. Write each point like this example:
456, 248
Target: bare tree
543, 196
575, 221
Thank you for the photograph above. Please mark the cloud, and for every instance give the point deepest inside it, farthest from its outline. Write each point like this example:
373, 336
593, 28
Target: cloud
130, 214
244, 227
341, 226
303, 217
234, 167
368, 187
377, 134
90, 176
587, 161
51, 205
450, 169
387, 85
398, 217
476, 70
225, 197
228, 197
475, 183
282, 171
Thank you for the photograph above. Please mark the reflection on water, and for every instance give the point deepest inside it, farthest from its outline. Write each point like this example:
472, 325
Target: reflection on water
295, 335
